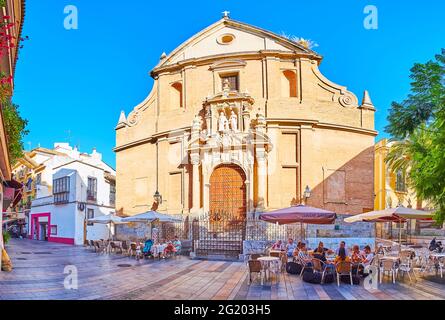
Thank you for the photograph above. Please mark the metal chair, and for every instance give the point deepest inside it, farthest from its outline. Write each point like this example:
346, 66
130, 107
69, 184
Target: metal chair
305, 264
319, 266
125, 247
343, 268
406, 264
255, 266
388, 266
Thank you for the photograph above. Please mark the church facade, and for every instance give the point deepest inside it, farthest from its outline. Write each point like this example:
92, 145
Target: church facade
240, 120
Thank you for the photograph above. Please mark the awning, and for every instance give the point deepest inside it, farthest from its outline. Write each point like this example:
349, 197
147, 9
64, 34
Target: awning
301, 214
9, 220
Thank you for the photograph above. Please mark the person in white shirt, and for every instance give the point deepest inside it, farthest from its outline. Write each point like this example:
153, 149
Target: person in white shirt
342, 245
368, 256
290, 247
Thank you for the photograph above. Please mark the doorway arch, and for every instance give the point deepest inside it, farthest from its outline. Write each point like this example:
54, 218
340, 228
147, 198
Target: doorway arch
228, 193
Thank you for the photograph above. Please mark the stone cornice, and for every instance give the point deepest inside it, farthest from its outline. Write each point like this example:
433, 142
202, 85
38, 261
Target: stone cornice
247, 55
312, 123
318, 124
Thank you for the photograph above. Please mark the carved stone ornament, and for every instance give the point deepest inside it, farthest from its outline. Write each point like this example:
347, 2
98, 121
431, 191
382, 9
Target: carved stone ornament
133, 118
347, 100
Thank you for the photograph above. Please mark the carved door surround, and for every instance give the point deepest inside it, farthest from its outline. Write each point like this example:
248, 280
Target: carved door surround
240, 144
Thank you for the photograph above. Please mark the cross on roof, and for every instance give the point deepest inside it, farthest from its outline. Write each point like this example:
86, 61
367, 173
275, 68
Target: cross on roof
225, 14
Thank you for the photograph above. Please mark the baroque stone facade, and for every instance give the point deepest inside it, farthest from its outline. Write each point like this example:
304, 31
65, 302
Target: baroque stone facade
241, 100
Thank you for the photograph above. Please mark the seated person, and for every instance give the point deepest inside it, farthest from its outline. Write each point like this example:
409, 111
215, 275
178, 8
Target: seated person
341, 257
320, 252
356, 256
367, 257
177, 244
342, 245
303, 254
278, 245
147, 247
433, 245
169, 249
138, 251
290, 247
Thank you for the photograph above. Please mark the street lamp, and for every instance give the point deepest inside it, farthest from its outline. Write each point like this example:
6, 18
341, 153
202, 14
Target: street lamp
307, 193
157, 197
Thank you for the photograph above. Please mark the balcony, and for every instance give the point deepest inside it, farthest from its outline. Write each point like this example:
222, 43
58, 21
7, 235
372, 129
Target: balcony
91, 196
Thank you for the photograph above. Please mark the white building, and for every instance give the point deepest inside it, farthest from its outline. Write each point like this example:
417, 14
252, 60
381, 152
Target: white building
74, 187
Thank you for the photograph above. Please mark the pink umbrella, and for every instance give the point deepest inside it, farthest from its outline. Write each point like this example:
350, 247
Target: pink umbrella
299, 213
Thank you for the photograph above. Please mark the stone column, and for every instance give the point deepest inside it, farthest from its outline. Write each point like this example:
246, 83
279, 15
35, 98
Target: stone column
195, 160
246, 119
196, 181
261, 180
260, 152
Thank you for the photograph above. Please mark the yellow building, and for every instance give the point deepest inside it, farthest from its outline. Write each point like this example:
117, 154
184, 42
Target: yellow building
28, 171
391, 190
241, 120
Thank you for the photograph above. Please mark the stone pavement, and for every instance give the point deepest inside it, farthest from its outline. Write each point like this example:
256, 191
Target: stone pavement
39, 274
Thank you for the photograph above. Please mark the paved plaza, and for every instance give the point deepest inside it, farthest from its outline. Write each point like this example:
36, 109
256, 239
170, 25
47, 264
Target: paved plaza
39, 274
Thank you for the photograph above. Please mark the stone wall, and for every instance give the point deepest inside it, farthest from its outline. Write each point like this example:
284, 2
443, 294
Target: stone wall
133, 231
342, 229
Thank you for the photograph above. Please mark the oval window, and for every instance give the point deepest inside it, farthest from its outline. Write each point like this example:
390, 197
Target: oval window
226, 38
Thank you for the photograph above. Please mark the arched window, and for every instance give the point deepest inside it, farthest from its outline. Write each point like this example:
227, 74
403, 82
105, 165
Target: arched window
288, 84
400, 181
176, 94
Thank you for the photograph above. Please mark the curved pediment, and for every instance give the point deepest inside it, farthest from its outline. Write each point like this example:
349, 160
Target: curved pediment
340, 93
227, 64
228, 36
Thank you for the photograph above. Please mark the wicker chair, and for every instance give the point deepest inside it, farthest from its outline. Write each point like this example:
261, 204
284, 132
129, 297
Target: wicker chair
343, 268
100, 248
93, 245
319, 266
125, 247
284, 260
275, 254
305, 264
114, 247
255, 267
255, 256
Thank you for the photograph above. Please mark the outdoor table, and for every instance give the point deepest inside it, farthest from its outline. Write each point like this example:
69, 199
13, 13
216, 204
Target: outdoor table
393, 258
281, 253
266, 262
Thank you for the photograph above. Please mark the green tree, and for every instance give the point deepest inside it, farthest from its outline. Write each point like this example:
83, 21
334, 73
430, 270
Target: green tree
15, 127
418, 123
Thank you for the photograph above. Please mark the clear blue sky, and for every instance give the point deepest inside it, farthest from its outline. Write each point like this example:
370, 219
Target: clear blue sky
79, 80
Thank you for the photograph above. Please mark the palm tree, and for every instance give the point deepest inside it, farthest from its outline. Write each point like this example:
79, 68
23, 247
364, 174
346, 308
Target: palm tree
401, 152
399, 156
